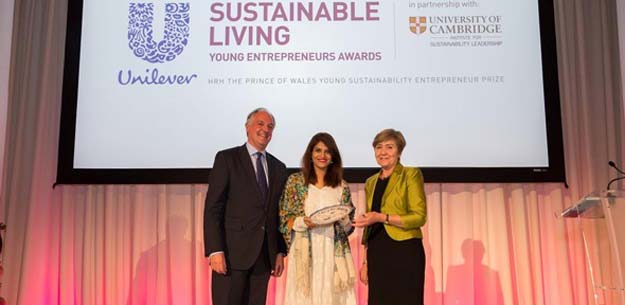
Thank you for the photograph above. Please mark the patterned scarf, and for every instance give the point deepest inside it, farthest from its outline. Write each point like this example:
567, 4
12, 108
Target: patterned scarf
291, 207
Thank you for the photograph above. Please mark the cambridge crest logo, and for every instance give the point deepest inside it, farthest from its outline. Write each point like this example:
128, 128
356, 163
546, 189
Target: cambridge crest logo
418, 25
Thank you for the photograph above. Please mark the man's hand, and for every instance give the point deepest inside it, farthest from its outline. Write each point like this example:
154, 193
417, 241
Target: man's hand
218, 263
364, 276
279, 267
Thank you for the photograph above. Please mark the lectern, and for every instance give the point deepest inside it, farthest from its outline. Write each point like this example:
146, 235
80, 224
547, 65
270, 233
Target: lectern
601, 216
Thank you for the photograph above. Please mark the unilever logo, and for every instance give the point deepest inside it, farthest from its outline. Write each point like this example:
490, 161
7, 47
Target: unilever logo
140, 33
141, 42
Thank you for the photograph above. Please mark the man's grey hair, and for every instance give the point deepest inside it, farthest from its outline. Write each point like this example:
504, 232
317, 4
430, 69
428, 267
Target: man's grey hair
257, 110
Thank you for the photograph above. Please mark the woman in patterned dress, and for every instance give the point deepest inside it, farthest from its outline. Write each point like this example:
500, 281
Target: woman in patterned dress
320, 265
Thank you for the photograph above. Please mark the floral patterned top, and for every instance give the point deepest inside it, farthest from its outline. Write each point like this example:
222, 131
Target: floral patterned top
292, 206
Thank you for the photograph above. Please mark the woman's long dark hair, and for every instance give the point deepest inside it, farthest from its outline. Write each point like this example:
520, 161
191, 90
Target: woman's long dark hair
334, 175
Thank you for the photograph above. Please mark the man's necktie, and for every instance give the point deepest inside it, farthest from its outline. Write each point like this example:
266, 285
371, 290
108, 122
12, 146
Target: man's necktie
260, 175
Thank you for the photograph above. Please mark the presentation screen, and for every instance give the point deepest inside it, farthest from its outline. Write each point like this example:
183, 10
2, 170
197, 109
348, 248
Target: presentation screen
153, 90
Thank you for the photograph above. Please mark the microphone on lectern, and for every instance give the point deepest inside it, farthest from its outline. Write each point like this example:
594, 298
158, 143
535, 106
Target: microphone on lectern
620, 171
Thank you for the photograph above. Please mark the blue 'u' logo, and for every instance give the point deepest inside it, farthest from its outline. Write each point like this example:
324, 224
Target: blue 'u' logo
140, 33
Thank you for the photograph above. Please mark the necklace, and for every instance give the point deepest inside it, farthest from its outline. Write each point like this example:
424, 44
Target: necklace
384, 177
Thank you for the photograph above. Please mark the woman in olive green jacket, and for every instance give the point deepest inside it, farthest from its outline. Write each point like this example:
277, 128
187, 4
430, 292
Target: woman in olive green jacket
394, 264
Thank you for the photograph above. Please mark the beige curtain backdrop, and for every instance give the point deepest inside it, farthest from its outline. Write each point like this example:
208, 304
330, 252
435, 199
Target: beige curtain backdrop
142, 244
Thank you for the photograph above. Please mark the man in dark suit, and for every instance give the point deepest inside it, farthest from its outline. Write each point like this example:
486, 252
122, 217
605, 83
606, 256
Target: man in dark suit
241, 235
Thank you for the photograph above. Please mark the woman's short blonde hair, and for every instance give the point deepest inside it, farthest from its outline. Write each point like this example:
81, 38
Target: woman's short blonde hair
390, 134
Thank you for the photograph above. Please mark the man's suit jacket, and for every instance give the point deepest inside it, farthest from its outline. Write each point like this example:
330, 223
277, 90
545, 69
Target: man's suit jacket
236, 218
404, 196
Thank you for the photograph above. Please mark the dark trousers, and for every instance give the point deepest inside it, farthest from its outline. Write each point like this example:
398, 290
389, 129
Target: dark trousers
243, 287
